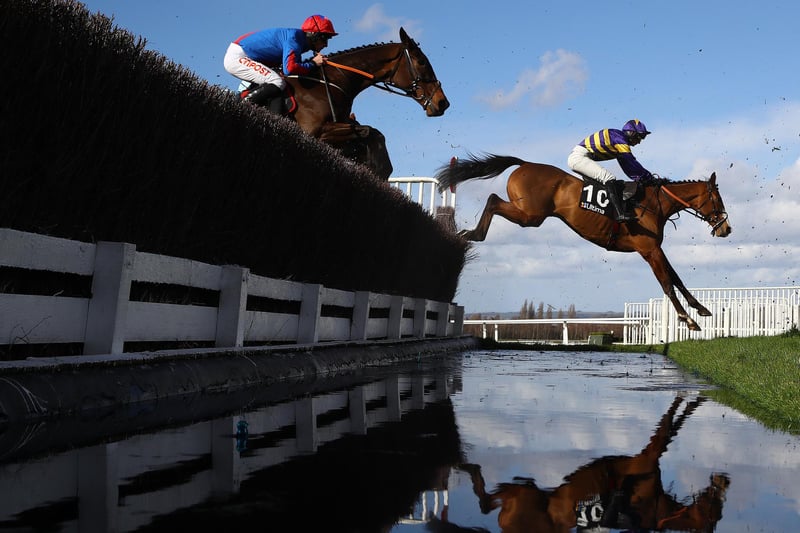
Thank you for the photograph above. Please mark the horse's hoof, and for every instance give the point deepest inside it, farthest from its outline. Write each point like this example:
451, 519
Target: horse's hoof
703, 312
690, 323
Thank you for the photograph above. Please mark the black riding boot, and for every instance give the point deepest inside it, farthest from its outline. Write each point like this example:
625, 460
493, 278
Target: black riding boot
614, 188
267, 94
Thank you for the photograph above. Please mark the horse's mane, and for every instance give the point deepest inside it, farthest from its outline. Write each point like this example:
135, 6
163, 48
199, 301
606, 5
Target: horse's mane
359, 48
678, 182
659, 183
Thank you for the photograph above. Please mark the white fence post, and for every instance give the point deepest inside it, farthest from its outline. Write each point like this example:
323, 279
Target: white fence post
108, 307
458, 321
394, 328
232, 306
358, 327
420, 317
442, 319
310, 309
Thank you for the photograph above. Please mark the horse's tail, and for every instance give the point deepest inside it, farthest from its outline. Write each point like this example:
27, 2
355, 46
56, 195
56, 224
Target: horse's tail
485, 167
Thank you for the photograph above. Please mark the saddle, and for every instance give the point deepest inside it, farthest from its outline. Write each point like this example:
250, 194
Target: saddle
592, 199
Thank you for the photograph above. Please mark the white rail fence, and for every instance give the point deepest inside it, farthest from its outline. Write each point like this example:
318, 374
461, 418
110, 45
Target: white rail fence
735, 312
495, 324
107, 318
424, 191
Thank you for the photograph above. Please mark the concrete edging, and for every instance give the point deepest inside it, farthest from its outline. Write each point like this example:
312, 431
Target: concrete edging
58, 386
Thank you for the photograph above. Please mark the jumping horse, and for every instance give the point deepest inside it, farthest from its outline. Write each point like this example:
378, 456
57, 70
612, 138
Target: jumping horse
537, 191
619, 491
323, 100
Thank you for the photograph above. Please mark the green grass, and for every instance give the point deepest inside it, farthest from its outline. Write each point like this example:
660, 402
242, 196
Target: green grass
759, 376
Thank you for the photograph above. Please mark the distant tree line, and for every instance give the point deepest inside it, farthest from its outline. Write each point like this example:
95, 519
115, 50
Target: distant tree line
543, 332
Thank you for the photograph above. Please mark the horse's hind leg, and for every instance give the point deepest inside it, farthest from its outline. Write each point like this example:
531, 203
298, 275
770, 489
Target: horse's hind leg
497, 206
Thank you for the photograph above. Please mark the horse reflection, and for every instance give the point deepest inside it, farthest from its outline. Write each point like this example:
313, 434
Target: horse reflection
622, 492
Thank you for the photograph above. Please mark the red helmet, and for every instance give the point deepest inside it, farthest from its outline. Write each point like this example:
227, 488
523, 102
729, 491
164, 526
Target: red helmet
318, 24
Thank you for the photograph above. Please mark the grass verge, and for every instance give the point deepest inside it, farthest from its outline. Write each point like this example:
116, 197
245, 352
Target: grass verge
758, 376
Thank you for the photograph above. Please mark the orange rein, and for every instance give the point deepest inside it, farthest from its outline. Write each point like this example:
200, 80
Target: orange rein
674, 197
351, 69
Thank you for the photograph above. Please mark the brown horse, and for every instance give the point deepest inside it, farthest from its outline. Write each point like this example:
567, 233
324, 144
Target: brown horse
362, 144
401, 68
325, 98
623, 492
538, 191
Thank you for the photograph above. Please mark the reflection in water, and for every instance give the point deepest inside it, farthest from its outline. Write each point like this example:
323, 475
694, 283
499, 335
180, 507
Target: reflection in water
406, 450
623, 492
355, 458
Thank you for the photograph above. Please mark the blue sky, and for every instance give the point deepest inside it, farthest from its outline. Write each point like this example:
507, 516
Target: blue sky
714, 81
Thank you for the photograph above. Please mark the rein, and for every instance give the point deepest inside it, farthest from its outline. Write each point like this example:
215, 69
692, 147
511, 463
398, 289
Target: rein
389, 85
328, 93
719, 216
351, 69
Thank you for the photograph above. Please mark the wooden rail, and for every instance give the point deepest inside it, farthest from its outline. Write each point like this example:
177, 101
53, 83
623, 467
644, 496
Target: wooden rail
107, 318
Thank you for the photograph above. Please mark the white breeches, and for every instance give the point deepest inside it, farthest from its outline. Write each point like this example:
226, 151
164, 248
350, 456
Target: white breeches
580, 162
237, 63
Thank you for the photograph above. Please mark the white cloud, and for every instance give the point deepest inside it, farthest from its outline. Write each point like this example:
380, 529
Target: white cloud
561, 76
387, 28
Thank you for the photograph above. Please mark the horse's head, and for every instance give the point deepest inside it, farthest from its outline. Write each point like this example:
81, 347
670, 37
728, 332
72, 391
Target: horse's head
701, 199
417, 78
712, 210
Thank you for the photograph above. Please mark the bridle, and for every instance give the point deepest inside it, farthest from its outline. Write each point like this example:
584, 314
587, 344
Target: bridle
388, 84
391, 86
715, 219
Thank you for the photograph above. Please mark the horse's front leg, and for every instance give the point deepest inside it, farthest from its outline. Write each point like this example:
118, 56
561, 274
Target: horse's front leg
339, 133
690, 299
666, 276
485, 500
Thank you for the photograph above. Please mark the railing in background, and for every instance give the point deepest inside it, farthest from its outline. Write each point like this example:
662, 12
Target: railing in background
631, 324
424, 191
104, 321
735, 312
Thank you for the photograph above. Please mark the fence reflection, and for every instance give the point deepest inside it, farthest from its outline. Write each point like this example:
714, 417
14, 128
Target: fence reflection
385, 437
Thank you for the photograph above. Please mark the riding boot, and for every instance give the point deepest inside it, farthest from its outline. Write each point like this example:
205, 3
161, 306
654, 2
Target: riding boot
263, 94
276, 104
614, 189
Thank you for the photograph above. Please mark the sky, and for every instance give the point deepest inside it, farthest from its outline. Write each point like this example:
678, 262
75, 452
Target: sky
715, 81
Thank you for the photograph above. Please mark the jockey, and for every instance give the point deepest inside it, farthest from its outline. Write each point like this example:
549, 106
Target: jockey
611, 144
259, 57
